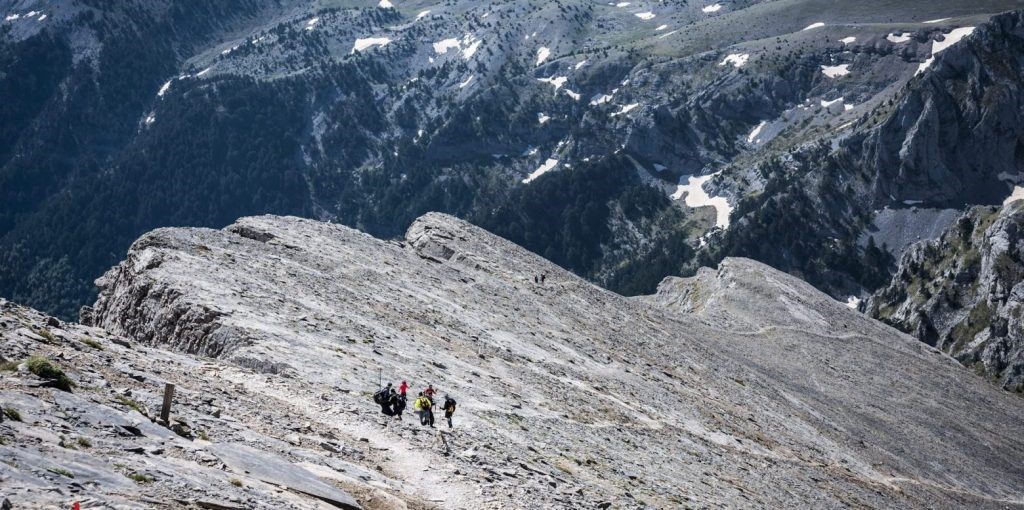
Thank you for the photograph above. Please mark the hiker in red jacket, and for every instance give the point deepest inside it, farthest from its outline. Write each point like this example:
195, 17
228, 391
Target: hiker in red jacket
429, 392
403, 387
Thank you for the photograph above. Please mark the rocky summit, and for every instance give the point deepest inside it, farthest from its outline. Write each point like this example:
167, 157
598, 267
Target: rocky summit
741, 386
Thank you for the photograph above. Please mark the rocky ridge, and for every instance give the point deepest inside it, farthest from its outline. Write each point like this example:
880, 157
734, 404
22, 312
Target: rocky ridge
963, 293
742, 386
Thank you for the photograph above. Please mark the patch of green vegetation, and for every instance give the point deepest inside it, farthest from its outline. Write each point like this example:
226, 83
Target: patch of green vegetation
45, 333
236, 482
1007, 269
9, 366
45, 369
141, 478
203, 435
92, 343
12, 414
978, 319
84, 442
130, 403
65, 444
61, 471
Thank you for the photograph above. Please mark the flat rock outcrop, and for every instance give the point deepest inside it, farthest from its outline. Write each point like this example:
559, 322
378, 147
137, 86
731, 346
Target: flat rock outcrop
742, 386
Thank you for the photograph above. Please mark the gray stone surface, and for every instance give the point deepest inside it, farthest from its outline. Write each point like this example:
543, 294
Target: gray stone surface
740, 387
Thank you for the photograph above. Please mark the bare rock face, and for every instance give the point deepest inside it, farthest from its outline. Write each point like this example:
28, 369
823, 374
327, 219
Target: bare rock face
741, 386
964, 293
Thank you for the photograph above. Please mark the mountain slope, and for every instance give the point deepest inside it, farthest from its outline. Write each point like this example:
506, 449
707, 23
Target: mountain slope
371, 116
637, 402
958, 294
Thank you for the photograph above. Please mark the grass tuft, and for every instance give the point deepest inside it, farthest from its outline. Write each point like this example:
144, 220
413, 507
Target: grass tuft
141, 478
46, 369
12, 414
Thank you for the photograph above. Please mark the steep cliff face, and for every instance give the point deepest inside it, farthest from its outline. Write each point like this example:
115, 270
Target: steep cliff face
963, 293
742, 384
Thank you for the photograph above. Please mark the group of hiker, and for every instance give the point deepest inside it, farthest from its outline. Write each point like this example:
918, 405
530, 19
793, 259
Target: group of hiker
392, 402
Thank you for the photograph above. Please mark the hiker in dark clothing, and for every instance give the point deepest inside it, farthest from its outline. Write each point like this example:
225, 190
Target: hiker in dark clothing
543, 277
449, 409
397, 404
383, 399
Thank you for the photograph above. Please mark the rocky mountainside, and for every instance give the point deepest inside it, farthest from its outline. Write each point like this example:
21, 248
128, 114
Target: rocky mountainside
742, 386
625, 141
962, 293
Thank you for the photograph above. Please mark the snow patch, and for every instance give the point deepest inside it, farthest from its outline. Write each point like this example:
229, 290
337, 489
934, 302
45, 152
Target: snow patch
812, 26
848, 40
660, 28
898, 38
955, 36
41, 18
312, 23
601, 99
442, 47
422, 14
712, 8
626, 109
646, 16
369, 42
853, 302
752, 137
12, 17
736, 59
556, 81
836, 71
385, 4
1018, 194
934, 21
697, 197
542, 118
548, 165
579, 65
574, 95
950, 39
150, 119
466, 83
667, 34
164, 88
622, 4
542, 54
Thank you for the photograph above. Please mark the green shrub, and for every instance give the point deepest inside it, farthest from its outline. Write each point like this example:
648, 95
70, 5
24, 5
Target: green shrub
84, 442
141, 478
130, 403
92, 343
236, 482
45, 369
62, 472
12, 414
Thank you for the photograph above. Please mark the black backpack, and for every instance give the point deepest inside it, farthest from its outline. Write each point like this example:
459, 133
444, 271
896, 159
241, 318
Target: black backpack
381, 397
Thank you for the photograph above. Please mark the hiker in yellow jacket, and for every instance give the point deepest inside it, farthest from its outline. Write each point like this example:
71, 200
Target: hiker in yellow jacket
425, 407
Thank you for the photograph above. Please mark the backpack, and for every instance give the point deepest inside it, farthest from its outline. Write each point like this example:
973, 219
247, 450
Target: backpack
449, 405
381, 397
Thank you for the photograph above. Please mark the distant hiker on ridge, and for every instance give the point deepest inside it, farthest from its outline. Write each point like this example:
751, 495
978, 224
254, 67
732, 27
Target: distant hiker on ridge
397, 403
383, 399
403, 388
449, 409
423, 406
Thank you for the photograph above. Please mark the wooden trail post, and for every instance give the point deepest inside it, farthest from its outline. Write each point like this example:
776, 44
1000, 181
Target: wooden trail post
165, 411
